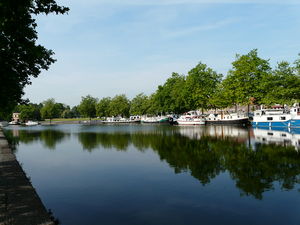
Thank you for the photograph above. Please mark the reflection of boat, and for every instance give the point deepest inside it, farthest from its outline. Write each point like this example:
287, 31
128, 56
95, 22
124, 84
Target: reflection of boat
191, 118
240, 134
277, 117
3, 123
284, 137
228, 118
31, 123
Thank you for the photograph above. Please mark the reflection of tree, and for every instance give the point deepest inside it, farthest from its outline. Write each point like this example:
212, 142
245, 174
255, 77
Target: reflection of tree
91, 141
254, 171
50, 138
88, 140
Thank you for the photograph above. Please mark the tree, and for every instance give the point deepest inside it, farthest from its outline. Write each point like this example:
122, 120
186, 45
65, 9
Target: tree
139, 104
102, 107
282, 86
21, 58
201, 84
119, 106
169, 97
29, 112
74, 113
87, 106
245, 78
220, 99
49, 109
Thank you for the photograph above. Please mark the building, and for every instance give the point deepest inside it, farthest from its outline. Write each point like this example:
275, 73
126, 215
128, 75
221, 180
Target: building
16, 117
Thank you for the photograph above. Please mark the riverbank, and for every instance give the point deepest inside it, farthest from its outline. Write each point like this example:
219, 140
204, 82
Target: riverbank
19, 202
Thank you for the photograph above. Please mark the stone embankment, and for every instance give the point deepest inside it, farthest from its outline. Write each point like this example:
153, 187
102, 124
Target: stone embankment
19, 202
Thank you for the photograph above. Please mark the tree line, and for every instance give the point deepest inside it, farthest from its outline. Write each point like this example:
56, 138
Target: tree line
251, 80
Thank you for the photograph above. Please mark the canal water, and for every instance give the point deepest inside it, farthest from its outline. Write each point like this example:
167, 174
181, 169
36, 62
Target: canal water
162, 175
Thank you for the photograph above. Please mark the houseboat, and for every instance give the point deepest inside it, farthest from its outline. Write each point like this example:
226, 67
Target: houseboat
191, 118
227, 119
155, 119
277, 117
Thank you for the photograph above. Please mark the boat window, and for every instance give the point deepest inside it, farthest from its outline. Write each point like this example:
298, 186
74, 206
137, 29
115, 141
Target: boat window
283, 135
270, 133
295, 110
269, 118
257, 114
282, 118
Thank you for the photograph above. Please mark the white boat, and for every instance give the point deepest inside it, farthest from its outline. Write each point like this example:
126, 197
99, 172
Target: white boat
3, 123
31, 123
134, 119
13, 123
146, 119
191, 118
277, 117
227, 118
155, 119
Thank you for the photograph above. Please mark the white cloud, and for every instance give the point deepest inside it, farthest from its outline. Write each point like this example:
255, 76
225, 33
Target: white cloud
206, 27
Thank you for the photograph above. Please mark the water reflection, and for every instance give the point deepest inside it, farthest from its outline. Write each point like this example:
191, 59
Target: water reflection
48, 137
255, 159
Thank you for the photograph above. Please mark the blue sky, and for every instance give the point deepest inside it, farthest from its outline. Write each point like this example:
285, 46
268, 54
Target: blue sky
109, 47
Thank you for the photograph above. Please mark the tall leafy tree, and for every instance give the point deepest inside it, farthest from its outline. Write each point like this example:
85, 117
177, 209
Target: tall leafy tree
282, 85
244, 79
169, 96
21, 58
87, 106
29, 112
139, 105
201, 84
102, 107
49, 109
119, 106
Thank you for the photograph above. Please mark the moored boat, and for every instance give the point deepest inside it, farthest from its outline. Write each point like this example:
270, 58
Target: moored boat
14, 123
31, 123
155, 119
191, 118
227, 119
277, 117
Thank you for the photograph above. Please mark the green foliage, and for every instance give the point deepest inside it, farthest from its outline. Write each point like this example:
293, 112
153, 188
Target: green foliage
282, 85
49, 110
102, 107
139, 104
21, 58
220, 99
29, 112
170, 96
119, 106
201, 84
244, 80
87, 106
